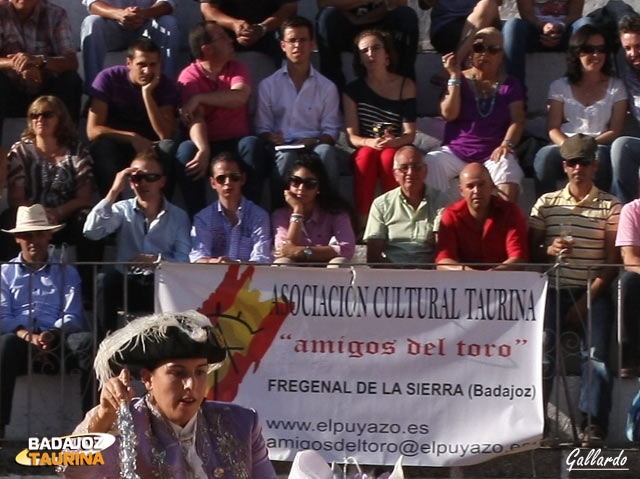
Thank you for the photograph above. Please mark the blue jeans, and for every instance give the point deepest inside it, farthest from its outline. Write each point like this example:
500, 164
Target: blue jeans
336, 33
99, 35
253, 154
625, 162
547, 166
596, 384
521, 37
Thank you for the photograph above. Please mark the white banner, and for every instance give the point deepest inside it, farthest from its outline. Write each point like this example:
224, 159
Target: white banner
442, 367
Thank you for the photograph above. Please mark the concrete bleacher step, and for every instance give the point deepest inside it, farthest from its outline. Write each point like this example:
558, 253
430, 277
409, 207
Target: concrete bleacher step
45, 405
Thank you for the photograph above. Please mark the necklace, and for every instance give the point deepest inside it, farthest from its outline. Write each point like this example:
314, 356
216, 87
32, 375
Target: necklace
481, 99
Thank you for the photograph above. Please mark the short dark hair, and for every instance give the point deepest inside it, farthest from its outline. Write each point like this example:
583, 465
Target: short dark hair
151, 155
142, 44
230, 157
199, 36
629, 24
387, 43
578, 40
296, 22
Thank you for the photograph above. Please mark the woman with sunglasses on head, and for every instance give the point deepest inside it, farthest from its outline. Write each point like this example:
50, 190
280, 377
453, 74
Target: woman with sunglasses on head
380, 115
484, 111
50, 166
316, 226
172, 431
587, 100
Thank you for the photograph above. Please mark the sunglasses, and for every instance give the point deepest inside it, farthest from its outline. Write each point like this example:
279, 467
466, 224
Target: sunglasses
578, 161
591, 49
405, 168
310, 183
233, 177
482, 48
44, 114
148, 177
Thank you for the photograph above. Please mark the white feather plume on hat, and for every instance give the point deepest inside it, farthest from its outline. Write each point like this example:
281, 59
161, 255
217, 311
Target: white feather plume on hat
187, 334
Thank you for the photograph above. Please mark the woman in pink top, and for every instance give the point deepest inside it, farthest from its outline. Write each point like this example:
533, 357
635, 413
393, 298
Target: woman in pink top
315, 227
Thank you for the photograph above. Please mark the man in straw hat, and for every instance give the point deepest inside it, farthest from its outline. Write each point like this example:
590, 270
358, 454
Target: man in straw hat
41, 306
178, 433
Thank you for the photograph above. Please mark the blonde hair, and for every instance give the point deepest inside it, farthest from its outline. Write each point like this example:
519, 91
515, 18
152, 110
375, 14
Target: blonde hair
65, 133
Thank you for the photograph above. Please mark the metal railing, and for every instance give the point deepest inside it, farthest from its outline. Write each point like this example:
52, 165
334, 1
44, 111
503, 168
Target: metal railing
60, 361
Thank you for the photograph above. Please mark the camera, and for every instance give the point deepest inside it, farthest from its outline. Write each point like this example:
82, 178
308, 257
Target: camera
381, 127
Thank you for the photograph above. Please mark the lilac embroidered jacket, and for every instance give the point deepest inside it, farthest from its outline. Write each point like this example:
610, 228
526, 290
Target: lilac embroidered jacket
228, 441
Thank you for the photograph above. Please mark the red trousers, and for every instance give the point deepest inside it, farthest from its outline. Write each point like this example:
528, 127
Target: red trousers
371, 164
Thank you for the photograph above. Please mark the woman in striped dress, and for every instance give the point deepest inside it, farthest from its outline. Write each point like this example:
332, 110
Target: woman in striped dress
380, 114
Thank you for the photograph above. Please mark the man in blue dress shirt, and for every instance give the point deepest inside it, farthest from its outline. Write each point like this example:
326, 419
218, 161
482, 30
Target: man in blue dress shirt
149, 229
232, 228
41, 308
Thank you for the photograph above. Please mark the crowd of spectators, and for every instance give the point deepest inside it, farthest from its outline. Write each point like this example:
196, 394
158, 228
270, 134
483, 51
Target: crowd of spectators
149, 132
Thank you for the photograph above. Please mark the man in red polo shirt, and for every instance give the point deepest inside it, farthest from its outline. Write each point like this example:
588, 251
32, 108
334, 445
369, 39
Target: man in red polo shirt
481, 228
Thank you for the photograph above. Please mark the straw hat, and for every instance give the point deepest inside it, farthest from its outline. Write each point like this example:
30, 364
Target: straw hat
32, 218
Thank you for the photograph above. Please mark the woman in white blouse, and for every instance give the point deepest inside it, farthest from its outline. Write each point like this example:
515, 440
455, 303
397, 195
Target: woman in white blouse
587, 100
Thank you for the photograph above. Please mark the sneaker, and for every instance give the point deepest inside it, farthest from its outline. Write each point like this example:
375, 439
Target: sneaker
593, 437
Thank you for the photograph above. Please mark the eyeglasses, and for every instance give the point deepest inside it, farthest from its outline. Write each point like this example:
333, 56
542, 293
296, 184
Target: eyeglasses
591, 49
148, 177
373, 48
233, 177
406, 167
44, 114
297, 41
482, 48
578, 161
311, 183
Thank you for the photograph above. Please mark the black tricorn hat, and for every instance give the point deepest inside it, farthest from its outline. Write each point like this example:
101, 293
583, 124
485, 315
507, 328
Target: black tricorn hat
147, 341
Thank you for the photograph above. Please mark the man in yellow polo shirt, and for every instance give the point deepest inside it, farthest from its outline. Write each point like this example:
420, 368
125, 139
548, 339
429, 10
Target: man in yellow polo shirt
577, 226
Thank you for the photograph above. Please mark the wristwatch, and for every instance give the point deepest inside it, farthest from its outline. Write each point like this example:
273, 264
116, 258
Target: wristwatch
307, 253
43, 63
